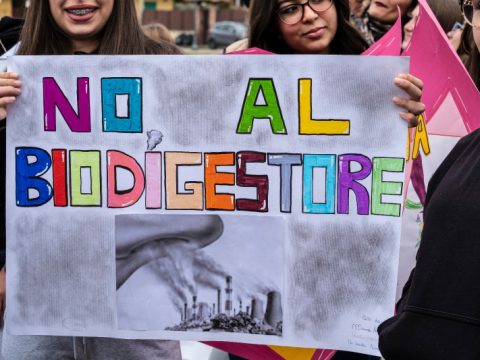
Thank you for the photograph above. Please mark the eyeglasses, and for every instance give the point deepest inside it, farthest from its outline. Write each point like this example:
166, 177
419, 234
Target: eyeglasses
293, 13
471, 12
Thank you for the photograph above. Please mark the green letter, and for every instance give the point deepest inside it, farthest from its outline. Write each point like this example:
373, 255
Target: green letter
380, 187
270, 110
88, 193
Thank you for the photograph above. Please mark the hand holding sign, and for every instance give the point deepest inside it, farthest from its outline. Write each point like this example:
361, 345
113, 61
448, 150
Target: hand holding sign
10, 88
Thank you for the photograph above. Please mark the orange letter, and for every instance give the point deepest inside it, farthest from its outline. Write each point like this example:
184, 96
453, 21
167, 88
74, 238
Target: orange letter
213, 178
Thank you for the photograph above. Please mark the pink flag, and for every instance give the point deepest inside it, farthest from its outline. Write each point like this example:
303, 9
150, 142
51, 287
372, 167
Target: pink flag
452, 101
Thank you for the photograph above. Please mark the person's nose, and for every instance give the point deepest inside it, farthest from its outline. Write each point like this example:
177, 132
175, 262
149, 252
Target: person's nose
308, 14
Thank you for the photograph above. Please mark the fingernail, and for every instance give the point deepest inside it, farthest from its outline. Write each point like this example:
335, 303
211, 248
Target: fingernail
396, 100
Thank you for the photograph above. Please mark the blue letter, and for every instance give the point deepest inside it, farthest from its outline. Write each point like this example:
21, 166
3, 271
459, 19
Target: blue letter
319, 161
28, 176
132, 121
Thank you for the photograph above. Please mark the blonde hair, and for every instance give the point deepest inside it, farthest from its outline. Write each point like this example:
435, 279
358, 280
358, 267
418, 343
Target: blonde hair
157, 32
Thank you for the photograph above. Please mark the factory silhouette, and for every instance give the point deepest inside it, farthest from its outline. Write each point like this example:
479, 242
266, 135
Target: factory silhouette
226, 316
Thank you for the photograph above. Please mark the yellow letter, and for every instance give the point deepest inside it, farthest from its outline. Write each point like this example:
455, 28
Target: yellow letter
309, 126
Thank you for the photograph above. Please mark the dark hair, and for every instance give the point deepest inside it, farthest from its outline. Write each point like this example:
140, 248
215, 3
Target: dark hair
264, 32
447, 12
121, 35
470, 54
412, 6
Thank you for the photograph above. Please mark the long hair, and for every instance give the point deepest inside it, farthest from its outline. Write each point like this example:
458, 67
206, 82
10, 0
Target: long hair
121, 35
470, 54
447, 12
264, 32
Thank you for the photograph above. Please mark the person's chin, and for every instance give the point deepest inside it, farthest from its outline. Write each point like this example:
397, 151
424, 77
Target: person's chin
315, 50
378, 13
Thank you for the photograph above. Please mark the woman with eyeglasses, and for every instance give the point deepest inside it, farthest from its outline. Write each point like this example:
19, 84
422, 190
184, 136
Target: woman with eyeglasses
320, 27
438, 316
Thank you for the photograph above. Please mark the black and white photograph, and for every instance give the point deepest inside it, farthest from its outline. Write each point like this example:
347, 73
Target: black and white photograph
210, 273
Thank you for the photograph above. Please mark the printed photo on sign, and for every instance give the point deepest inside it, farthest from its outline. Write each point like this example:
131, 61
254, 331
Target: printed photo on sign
206, 273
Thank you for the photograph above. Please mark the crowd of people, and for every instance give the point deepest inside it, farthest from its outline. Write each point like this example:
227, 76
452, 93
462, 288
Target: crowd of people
65, 27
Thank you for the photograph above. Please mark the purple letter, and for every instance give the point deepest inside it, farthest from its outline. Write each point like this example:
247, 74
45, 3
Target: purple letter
347, 180
53, 98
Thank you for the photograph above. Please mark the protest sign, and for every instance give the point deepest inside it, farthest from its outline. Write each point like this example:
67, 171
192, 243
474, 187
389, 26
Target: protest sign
251, 199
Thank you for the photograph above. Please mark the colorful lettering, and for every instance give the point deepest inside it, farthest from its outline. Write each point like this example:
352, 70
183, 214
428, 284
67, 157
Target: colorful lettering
89, 161
310, 126
328, 162
192, 199
27, 176
348, 180
214, 200
112, 120
54, 98
153, 167
123, 198
270, 110
380, 187
286, 162
59, 174
258, 181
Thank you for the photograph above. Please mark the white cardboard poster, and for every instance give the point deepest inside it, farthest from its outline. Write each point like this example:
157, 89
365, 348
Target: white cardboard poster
242, 198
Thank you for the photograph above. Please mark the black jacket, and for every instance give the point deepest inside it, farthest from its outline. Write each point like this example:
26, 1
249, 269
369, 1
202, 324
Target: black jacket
439, 313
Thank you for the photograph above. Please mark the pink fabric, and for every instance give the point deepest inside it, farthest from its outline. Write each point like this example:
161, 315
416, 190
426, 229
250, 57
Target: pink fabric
322, 354
251, 51
247, 351
390, 44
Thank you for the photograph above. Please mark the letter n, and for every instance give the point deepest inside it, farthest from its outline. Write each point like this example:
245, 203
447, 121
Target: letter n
54, 98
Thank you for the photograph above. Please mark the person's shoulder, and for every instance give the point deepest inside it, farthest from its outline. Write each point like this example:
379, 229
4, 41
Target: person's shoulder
237, 46
12, 51
472, 137
467, 142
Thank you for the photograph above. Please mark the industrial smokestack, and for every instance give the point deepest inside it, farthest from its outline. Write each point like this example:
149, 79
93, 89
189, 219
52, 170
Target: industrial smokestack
213, 309
203, 311
273, 314
228, 291
248, 310
240, 307
219, 300
185, 307
194, 307
257, 309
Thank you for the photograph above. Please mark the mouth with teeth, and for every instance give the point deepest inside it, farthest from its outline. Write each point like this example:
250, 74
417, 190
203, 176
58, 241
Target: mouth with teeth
81, 11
